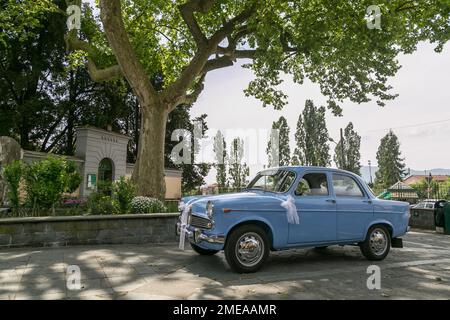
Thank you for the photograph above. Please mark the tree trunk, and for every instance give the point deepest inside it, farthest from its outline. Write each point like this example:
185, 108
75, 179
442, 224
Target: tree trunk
148, 173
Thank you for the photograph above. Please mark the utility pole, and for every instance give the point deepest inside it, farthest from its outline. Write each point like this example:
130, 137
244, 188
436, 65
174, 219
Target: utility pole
370, 172
429, 179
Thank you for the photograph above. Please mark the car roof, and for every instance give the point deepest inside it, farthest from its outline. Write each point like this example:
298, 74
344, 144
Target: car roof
302, 168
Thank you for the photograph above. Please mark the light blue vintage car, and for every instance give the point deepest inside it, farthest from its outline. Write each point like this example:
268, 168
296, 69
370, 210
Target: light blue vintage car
292, 207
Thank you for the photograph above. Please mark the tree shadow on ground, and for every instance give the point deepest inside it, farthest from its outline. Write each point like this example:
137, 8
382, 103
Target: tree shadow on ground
164, 271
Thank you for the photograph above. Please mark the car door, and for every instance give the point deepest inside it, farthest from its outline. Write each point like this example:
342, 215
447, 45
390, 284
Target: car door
354, 208
316, 209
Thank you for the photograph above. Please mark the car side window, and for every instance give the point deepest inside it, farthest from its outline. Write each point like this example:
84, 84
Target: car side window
345, 186
313, 184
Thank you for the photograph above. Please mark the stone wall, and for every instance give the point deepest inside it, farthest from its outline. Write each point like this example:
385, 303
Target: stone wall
422, 219
82, 230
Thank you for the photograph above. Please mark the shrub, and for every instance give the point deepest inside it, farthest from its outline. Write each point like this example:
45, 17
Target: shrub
13, 174
47, 180
105, 187
73, 177
124, 192
101, 204
147, 205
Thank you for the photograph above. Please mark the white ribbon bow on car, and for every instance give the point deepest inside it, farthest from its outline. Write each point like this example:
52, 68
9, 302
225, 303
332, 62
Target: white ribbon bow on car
291, 210
183, 220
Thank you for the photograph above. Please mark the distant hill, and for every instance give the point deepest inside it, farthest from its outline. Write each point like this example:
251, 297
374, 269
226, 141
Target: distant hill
439, 171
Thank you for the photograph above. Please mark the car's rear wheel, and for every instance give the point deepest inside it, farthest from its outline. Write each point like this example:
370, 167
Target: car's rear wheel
247, 248
377, 244
203, 252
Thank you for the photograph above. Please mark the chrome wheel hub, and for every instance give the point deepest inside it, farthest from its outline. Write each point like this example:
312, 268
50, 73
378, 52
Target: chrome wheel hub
378, 241
249, 249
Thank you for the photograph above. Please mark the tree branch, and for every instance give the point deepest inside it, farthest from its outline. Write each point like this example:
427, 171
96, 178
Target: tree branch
56, 140
97, 75
236, 54
198, 88
285, 43
229, 26
187, 13
217, 63
50, 132
134, 72
197, 67
406, 6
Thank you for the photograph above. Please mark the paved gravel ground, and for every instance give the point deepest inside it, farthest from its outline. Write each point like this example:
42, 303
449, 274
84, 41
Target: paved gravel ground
421, 270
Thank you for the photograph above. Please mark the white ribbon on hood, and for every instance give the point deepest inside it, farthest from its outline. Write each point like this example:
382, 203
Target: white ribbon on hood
288, 204
183, 220
291, 210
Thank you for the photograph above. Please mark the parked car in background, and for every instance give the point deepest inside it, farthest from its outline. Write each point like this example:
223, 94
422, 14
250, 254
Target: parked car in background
430, 207
293, 207
430, 204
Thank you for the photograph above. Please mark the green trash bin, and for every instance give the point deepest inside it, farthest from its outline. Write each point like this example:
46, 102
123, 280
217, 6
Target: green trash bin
447, 218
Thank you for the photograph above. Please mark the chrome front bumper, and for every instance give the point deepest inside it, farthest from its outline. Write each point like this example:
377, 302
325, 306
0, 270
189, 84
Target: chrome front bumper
196, 235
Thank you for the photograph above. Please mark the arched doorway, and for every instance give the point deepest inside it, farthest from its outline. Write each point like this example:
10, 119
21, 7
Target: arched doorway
105, 175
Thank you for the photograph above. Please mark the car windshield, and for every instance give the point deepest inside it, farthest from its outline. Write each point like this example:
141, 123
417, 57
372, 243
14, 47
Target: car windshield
273, 180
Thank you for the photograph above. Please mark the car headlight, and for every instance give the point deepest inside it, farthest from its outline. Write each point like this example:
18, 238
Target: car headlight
209, 209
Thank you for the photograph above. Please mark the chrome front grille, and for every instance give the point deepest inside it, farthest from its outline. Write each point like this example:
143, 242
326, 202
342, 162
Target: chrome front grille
200, 222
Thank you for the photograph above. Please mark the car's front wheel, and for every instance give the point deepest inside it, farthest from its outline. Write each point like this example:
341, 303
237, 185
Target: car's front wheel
203, 252
377, 244
247, 248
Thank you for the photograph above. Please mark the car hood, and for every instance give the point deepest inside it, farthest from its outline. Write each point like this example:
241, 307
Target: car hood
247, 200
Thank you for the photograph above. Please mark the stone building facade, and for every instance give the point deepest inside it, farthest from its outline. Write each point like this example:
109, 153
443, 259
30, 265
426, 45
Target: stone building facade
101, 155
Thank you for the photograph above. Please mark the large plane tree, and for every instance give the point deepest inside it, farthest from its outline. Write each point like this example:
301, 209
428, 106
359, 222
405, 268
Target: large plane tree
325, 41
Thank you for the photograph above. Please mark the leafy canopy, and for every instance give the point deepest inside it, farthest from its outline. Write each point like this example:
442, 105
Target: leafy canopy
20, 18
391, 167
347, 154
326, 41
283, 151
311, 137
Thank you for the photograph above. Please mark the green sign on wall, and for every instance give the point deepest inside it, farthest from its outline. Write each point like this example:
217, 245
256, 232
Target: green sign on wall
91, 181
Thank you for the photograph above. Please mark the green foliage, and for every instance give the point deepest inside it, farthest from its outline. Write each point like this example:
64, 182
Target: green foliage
391, 167
74, 179
238, 171
105, 187
325, 41
311, 137
124, 191
147, 205
428, 188
350, 159
284, 151
101, 204
172, 206
193, 174
220, 154
20, 18
47, 180
13, 174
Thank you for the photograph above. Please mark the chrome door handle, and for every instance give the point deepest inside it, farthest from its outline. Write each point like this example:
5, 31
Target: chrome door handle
368, 201
331, 200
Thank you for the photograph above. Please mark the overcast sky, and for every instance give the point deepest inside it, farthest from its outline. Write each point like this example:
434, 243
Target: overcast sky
423, 85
